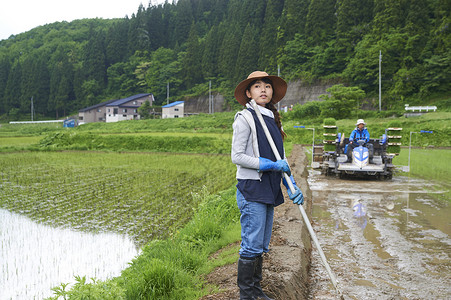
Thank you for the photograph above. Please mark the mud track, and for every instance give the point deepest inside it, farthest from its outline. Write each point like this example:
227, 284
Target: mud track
383, 240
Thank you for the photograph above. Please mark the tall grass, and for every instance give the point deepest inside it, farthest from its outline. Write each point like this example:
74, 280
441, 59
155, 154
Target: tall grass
427, 163
137, 142
32, 129
203, 123
22, 141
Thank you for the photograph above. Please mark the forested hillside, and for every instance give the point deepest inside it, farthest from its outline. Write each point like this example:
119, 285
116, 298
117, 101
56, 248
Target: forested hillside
67, 66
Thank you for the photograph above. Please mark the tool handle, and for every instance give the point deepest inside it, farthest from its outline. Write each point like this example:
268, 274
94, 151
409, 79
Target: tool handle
291, 186
271, 142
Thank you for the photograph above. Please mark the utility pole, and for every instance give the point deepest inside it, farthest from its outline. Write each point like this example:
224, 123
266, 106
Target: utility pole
32, 108
380, 60
167, 92
278, 74
210, 104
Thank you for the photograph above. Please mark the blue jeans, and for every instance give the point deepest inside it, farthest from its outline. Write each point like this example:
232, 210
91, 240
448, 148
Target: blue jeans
256, 226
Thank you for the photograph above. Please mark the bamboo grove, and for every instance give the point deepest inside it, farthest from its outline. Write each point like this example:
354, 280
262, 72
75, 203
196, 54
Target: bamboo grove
65, 66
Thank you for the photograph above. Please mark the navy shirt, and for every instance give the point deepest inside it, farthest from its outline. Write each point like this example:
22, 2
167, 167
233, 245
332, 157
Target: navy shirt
267, 190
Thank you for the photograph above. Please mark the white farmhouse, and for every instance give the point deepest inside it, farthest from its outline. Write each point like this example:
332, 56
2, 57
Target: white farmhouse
114, 110
173, 110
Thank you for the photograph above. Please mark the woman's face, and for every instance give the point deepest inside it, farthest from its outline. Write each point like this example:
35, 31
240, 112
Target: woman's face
261, 92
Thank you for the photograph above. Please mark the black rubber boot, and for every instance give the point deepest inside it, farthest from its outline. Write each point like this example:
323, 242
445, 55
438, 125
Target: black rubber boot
246, 267
258, 292
349, 156
371, 153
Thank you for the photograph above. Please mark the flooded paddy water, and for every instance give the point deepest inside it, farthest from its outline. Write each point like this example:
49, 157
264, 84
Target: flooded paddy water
64, 214
35, 258
383, 239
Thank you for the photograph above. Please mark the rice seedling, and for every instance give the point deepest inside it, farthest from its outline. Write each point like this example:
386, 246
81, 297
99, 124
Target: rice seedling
145, 196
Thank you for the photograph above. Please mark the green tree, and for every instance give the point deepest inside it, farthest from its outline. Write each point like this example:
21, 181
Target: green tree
144, 110
138, 37
267, 59
163, 70
210, 53
192, 62
13, 87
156, 27
293, 20
252, 12
4, 71
229, 52
92, 90
321, 21
353, 19
295, 58
27, 84
388, 15
94, 63
436, 66
246, 60
309, 110
116, 42
341, 101
40, 84
183, 20
122, 79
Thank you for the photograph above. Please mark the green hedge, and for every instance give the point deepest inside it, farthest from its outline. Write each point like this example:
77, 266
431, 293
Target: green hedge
91, 141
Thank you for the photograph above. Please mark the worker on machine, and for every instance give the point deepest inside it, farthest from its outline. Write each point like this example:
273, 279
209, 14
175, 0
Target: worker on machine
359, 133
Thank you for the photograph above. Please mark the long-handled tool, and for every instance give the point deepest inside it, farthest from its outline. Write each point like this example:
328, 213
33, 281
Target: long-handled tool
301, 208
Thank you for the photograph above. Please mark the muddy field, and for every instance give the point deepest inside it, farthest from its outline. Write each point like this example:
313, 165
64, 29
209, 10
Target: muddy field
383, 239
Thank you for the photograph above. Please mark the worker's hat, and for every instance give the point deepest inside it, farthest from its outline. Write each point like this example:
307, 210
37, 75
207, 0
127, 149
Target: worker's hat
360, 121
278, 84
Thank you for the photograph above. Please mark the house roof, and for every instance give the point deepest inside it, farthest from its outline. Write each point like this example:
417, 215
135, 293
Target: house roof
96, 105
119, 102
173, 104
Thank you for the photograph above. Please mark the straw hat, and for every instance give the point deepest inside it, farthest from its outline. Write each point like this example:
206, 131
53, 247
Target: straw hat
278, 84
360, 121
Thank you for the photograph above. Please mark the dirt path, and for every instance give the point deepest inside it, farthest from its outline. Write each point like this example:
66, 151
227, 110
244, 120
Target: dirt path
285, 268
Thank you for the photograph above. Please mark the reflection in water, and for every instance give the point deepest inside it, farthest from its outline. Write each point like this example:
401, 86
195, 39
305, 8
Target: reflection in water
34, 258
360, 213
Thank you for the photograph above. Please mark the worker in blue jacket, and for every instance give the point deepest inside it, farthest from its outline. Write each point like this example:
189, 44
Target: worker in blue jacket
359, 133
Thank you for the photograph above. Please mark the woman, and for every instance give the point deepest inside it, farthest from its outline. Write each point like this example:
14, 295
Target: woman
258, 174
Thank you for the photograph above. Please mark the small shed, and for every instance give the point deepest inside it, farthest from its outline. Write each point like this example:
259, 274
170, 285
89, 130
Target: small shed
69, 123
173, 110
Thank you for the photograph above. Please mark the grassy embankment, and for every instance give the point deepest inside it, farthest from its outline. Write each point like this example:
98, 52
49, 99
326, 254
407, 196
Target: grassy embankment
430, 164
173, 268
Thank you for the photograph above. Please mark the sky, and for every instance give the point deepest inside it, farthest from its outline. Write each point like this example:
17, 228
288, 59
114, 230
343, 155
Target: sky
17, 16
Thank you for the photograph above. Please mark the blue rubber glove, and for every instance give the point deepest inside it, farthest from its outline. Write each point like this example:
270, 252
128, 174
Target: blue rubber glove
297, 196
269, 165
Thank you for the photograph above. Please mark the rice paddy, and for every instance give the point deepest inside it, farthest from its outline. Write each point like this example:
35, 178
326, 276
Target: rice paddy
137, 196
145, 196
